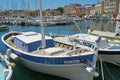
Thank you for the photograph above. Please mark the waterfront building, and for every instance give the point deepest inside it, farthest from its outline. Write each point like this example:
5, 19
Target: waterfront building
111, 6
72, 9
99, 7
88, 7
119, 7
83, 10
92, 10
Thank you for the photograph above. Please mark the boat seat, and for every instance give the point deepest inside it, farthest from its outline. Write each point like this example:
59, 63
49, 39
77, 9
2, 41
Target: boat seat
57, 44
65, 46
70, 47
61, 44
53, 51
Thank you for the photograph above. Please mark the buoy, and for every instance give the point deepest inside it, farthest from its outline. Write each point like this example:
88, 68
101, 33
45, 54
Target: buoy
92, 71
12, 64
8, 52
8, 72
14, 56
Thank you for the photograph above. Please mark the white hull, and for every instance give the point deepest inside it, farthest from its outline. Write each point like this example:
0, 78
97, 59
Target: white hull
73, 72
75, 67
110, 58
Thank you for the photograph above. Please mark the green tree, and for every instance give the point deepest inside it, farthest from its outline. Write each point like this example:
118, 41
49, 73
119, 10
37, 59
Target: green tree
81, 14
60, 9
32, 13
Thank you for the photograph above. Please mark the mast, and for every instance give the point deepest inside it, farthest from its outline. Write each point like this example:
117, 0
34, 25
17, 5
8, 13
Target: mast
42, 26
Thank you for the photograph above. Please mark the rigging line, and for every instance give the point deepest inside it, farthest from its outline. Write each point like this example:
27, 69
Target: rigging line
115, 63
102, 69
84, 37
98, 67
106, 69
78, 28
109, 72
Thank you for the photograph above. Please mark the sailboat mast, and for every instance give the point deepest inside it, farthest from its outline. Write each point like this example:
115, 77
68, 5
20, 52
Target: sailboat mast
42, 26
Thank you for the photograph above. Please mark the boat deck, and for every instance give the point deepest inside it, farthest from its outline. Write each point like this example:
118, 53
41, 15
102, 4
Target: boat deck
63, 47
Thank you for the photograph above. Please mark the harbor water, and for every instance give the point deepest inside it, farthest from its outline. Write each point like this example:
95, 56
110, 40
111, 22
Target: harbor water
111, 72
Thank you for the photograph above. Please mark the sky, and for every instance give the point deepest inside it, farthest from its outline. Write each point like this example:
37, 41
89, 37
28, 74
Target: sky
46, 4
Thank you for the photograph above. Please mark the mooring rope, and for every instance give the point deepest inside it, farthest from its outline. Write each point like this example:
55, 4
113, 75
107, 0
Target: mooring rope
102, 63
109, 72
102, 69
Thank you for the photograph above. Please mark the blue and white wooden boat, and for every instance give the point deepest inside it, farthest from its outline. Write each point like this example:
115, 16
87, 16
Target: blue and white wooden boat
59, 56
108, 50
5, 68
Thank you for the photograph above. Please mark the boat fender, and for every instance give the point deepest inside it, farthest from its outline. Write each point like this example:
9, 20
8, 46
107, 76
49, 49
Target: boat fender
92, 71
8, 74
98, 40
89, 69
8, 52
12, 64
14, 56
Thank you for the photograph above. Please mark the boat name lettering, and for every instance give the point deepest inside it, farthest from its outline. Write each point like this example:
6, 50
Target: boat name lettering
71, 61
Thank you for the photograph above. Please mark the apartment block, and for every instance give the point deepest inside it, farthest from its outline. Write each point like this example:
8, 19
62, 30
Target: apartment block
83, 10
88, 8
92, 10
72, 10
111, 6
99, 8
119, 8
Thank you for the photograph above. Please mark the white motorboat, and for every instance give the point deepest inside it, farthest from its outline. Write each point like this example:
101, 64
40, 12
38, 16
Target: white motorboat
108, 50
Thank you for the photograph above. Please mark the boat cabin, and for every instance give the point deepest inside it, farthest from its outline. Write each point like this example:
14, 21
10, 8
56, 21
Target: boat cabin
31, 41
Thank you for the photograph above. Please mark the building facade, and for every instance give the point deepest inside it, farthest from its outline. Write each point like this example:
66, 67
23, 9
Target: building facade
119, 8
83, 10
92, 10
72, 10
111, 6
88, 8
99, 8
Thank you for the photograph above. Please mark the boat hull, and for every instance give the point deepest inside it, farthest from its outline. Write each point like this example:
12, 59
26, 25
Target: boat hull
57, 68
73, 72
69, 71
109, 56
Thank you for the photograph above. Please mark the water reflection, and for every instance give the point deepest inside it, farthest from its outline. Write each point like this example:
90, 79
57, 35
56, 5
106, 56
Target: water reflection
117, 29
103, 25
